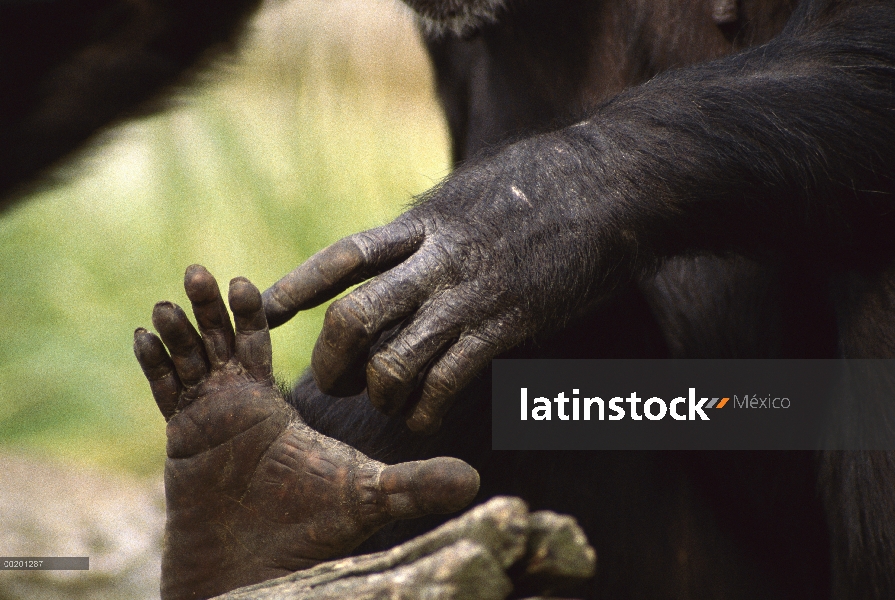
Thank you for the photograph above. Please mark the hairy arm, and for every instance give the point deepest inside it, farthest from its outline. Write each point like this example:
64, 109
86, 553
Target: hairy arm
780, 149
783, 150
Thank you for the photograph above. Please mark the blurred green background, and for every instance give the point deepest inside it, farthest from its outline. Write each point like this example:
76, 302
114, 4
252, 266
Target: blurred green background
323, 125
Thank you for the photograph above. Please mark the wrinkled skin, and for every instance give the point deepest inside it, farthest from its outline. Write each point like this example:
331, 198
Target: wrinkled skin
252, 492
470, 285
727, 201
515, 245
744, 201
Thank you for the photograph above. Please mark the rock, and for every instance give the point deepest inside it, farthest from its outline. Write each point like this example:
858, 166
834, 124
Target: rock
558, 548
464, 559
51, 509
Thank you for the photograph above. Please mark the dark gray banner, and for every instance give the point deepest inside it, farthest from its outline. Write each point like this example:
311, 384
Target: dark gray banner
44, 563
693, 405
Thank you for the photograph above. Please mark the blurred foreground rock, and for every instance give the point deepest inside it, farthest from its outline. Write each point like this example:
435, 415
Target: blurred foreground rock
482, 555
49, 509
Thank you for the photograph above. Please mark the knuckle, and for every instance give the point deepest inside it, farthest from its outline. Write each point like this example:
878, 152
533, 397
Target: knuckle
278, 298
485, 343
349, 315
442, 382
443, 261
467, 358
389, 369
155, 371
251, 328
413, 226
366, 243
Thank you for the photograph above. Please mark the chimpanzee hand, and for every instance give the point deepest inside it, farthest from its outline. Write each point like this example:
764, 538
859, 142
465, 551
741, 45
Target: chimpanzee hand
496, 254
252, 492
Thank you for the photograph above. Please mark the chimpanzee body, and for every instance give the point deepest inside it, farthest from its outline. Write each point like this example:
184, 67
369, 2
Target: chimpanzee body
679, 525
747, 202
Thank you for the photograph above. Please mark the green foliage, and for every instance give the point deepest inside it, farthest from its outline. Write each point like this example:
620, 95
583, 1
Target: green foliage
249, 175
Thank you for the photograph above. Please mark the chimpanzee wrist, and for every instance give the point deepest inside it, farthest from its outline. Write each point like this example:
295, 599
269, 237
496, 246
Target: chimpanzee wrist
551, 211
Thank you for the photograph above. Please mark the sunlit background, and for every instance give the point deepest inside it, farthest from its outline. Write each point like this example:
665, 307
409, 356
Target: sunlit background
324, 125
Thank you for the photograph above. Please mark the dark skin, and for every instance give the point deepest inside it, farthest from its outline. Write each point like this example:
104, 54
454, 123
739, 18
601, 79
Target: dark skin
514, 246
737, 207
438, 286
733, 208
252, 492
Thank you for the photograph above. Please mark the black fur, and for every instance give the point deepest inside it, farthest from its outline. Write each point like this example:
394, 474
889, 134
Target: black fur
725, 190
67, 69
746, 203
457, 16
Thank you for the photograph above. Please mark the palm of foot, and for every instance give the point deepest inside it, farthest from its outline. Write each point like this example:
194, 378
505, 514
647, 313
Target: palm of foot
252, 492
277, 495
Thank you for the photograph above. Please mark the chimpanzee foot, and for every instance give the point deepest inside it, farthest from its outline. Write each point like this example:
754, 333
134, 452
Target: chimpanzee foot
252, 492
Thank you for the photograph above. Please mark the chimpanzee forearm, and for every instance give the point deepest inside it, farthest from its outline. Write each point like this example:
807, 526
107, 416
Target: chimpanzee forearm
782, 151
784, 148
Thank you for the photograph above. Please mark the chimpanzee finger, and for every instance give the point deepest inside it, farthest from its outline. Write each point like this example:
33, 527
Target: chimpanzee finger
435, 486
447, 378
211, 314
395, 370
253, 348
183, 342
159, 370
339, 266
353, 323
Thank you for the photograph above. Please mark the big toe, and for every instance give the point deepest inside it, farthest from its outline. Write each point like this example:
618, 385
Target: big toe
438, 485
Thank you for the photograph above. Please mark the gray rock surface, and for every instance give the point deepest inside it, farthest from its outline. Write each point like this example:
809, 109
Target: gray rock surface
53, 509
464, 559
